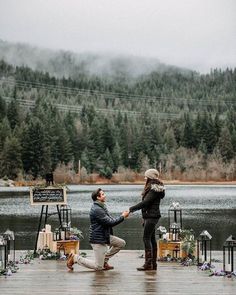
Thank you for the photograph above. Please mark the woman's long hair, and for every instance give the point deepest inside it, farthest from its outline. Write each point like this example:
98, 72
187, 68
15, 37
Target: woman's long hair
148, 185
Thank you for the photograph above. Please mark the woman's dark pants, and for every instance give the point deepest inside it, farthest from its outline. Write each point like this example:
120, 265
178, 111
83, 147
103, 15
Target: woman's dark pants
150, 243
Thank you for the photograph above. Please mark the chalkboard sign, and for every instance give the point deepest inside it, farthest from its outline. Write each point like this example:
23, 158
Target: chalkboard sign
48, 196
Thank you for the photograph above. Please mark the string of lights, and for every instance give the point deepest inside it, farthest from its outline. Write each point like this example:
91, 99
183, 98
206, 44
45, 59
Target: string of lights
114, 95
78, 109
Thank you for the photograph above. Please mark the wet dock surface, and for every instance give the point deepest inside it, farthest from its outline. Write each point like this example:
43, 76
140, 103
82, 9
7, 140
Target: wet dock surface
52, 277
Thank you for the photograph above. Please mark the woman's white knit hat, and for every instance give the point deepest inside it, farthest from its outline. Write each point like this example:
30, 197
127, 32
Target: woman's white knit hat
151, 174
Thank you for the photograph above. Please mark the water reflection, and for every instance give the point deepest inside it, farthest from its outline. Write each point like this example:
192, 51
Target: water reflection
150, 282
204, 207
119, 197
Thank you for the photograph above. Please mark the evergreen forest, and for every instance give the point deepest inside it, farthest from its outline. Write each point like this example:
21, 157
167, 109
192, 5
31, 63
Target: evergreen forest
178, 121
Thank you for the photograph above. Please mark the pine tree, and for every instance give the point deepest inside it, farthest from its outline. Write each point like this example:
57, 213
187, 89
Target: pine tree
233, 140
169, 139
188, 136
92, 154
87, 114
107, 158
3, 108
108, 135
205, 129
69, 123
13, 113
211, 135
116, 156
85, 160
95, 137
65, 154
34, 150
11, 164
198, 131
125, 142
5, 131
225, 145
217, 126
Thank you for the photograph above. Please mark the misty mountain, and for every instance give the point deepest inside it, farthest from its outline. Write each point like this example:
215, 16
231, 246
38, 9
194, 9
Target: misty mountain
69, 64
183, 120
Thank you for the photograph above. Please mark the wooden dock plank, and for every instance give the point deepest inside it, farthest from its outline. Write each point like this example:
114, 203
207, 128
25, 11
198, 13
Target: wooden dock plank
52, 277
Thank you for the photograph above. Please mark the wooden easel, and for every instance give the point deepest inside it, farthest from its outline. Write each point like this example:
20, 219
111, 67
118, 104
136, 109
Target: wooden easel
44, 211
45, 197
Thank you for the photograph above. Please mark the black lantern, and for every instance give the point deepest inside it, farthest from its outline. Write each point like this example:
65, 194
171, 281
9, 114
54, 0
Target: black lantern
204, 248
57, 235
228, 254
176, 252
3, 253
65, 213
174, 232
175, 214
9, 236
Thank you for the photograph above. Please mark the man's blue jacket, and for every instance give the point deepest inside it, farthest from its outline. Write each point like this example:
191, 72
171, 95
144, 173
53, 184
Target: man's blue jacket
101, 224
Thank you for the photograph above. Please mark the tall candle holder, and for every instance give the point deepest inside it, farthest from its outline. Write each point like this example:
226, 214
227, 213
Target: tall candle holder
229, 248
175, 214
204, 248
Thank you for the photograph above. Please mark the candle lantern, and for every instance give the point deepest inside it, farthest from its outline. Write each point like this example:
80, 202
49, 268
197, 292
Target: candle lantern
9, 236
174, 232
161, 231
175, 214
204, 248
65, 213
57, 235
229, 258
176, 252
3, 253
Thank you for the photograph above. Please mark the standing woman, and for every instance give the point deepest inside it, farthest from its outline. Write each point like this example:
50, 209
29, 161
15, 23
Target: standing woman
152, 194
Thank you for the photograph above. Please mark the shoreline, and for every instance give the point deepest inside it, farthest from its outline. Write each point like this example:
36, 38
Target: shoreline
166, 182
104, 181
6, 191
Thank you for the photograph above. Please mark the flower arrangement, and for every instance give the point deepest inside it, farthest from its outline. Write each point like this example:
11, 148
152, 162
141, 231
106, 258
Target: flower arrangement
76, 234
188, 242
46, 254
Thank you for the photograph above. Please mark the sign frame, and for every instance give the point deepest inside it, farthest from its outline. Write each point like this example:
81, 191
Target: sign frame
46, 194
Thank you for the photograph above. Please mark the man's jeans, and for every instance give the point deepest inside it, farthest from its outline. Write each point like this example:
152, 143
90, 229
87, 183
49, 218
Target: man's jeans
102, 252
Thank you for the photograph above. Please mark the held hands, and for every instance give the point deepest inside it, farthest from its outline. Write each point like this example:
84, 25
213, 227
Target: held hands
125, 213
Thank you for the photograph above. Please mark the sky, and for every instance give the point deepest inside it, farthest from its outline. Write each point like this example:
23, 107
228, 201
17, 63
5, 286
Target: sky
197, 34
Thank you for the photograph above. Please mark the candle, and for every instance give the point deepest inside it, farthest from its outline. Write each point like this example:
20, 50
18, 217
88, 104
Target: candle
40, 243
48, 228
62, 235
53, 247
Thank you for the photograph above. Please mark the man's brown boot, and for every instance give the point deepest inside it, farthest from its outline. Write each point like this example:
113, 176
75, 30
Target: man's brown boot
70, 261
106, 266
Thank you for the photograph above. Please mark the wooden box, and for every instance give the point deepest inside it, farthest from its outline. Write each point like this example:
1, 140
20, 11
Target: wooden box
68, 246
171, 249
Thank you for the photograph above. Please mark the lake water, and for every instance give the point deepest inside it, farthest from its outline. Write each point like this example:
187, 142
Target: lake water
205, 207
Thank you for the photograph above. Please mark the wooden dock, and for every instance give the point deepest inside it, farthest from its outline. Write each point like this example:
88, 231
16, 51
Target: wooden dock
51, 277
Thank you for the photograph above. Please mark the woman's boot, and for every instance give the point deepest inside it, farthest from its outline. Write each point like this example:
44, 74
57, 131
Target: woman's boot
148, 261
154, 258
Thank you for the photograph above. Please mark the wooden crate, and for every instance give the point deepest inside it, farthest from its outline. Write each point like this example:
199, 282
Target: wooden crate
68, 246
171, 249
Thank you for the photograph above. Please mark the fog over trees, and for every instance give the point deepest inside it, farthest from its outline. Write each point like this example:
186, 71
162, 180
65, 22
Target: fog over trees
58, 108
